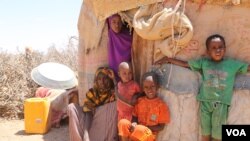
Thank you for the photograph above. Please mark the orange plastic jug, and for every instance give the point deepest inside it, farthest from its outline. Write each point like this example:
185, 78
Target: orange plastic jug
37, 115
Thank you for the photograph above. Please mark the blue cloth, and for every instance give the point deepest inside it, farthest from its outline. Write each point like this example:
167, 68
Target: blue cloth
186, 81
181, 81
242, 81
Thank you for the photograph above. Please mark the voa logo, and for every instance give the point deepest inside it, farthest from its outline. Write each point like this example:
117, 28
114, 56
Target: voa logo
236, 132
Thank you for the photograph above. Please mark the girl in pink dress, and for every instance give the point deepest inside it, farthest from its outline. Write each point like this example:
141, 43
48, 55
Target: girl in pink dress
128, 91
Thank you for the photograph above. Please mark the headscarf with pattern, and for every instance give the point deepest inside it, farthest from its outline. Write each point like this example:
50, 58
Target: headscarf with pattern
95, 96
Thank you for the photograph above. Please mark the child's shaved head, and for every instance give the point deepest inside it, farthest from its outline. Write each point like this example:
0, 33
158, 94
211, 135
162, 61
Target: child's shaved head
125, 72
124, 65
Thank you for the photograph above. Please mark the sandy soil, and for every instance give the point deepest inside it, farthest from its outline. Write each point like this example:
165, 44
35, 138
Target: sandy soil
13, 130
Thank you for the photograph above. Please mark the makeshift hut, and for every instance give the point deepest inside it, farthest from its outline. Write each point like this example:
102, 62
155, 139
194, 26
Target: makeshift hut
174, 28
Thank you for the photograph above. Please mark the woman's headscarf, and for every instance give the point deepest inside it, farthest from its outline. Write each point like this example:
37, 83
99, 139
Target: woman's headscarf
96, 97
109, 73
119, 46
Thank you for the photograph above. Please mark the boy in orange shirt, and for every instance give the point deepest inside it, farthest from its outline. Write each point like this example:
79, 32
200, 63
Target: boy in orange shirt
150, 114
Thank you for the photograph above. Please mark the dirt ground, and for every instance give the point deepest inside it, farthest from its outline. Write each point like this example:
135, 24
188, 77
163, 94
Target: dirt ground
13, 130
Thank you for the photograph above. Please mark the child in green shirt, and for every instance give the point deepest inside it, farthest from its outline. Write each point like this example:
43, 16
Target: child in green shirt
218, 75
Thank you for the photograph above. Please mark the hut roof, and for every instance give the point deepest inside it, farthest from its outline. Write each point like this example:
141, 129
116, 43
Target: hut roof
114, 6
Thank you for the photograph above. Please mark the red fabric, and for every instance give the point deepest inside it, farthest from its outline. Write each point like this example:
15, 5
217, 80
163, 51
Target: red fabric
126, 90
56, 117
151, 112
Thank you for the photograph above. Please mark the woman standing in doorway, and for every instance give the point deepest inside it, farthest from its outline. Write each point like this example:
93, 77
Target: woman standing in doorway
119, 44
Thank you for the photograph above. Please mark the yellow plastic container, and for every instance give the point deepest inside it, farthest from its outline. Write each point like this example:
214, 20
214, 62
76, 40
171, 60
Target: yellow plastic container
36, 115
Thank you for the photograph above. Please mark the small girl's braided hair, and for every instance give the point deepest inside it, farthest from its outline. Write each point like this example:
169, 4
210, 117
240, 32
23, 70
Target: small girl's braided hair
154, 76
214, 36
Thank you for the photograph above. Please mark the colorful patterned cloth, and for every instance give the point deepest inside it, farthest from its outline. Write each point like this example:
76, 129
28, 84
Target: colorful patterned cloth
96, 97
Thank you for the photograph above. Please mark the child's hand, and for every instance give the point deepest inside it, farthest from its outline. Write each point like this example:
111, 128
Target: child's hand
132, 127
133, 100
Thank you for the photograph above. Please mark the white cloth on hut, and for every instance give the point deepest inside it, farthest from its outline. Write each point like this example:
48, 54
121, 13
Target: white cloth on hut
169, 25
90, 28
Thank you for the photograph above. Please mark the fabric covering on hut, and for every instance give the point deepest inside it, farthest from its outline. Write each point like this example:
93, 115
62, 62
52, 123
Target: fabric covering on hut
207, 17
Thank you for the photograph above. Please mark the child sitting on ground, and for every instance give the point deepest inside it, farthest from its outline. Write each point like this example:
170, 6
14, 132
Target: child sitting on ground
150, 114
128, 91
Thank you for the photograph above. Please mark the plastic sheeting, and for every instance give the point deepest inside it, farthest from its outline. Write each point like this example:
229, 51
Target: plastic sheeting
178, 79
182, 80
242, 82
